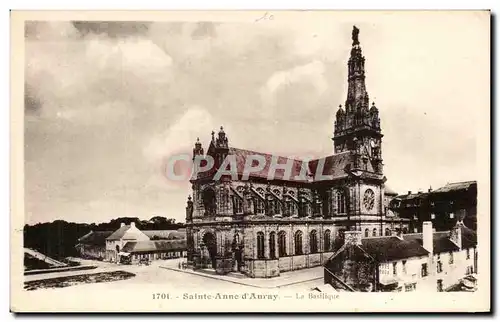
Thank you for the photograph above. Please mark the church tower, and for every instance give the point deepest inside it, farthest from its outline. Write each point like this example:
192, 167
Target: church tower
357, 126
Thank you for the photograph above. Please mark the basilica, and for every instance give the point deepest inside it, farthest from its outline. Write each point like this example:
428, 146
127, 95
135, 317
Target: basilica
260, 226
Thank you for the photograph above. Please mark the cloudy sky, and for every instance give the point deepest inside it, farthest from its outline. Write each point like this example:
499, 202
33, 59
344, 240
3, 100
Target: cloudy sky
107, 102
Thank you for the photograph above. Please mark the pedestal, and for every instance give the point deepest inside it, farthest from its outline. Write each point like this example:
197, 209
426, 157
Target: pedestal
224, 265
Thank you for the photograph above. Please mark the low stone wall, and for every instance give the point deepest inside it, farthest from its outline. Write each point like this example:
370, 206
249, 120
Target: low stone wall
266, 268
285, 264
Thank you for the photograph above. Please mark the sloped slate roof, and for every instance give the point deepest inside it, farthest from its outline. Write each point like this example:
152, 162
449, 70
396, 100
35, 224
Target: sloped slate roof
392, 248
242, 155
421, 195
334, 165
95, 238
442, 242
469, 238
389, 191
454, 186
155, 246
165, 234
119, 233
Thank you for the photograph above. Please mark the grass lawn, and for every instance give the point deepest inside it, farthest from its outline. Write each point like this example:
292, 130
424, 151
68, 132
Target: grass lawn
66, 281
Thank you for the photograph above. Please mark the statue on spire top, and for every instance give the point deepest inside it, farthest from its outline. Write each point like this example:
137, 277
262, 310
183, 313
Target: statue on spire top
355, 33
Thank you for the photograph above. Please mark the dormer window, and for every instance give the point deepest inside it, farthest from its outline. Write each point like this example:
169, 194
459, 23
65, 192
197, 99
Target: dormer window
259, 206
238, 205
277, 207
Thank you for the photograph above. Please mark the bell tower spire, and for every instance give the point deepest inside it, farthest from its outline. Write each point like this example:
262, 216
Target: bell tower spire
357, 126
357, 97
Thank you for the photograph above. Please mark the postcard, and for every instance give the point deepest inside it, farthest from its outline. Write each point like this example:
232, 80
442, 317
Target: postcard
250, 161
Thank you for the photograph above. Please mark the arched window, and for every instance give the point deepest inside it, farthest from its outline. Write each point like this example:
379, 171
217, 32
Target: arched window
272, 245
341, 208
374, 232
313, 242
282, 244
291, 207
209, 201
260, 245
306, 209
387, 232
277, 207
317, 203
298, 243
326, 241
238, 205
259, 206
367, 232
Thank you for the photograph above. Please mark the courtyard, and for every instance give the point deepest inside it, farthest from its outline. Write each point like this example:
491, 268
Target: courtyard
166, 274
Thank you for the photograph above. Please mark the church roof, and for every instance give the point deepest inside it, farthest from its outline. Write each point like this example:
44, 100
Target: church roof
242, 155
334, 165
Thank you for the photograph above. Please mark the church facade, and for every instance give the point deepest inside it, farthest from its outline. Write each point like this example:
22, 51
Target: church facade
261, 225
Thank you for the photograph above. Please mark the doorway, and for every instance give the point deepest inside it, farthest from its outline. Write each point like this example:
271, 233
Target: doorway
211, 244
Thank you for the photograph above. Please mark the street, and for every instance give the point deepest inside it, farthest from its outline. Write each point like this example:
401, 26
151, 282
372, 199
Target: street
154, 276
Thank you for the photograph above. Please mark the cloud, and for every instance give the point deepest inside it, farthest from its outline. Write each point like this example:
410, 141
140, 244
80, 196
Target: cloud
106, 102
112, 29
181, 135
177, 139
72, 77
293, 91
311, 72
49, 30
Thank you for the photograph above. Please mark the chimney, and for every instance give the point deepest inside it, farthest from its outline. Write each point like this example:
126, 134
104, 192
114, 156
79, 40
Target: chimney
353, 238
132, 224
122, 224
409, 192
427, 236
456, 234
430, 189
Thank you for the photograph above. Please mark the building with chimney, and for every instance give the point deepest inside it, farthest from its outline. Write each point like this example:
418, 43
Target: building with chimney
129, 244
263, 223
427, 261
442, 206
